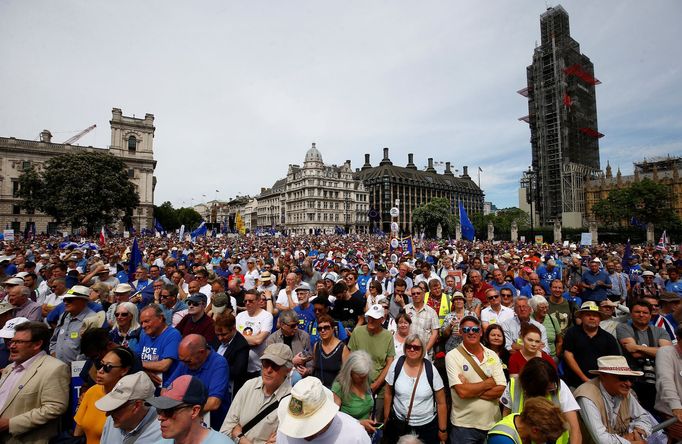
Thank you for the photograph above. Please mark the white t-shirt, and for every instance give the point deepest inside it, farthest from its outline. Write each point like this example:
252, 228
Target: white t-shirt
491, 317
423, 410
53, 300
206, 289
567, 402
250, 278
344, 429
282, 298
248, 326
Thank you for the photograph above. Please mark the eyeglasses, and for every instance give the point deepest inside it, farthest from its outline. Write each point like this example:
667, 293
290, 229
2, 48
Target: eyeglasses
106, 368
324, 327
495, 296
506, 295
17, 341
271, 365
121, 315
625, 378
193, 303
165, 296
169, 413
292, 325
249, 301
467, 330
413, 347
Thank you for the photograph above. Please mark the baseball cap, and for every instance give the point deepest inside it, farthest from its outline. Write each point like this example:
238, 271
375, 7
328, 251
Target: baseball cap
303, 286
14, 281
7, 331
198, 297
279, 353
186, 389
128, 388
376, 311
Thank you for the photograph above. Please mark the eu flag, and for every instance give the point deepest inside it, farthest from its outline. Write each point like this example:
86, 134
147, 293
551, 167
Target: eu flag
468, 231
135, 259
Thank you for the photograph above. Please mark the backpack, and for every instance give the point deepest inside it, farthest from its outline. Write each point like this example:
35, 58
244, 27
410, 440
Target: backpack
428, 367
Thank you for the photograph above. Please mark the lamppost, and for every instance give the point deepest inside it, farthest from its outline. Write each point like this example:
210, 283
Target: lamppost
529, 182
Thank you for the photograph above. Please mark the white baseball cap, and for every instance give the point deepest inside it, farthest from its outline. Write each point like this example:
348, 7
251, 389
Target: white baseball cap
8, 330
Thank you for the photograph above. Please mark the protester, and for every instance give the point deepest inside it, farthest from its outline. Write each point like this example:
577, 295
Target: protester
404, 324
669, 385
233, 347
127, 330
255, 324
450, 329
425, 321
352, 392
540, 421
299, 342
540, 308
329, 353
531, 348
65, 342
158, 345
197, 321
512, 327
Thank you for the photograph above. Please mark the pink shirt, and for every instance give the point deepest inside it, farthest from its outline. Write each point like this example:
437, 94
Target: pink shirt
14, 377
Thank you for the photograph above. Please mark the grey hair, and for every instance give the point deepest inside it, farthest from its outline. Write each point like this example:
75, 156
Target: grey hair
410, 339
26, 292
537, 300
410, 438
359, 362
132, 309
523, 298
156, 308
288, 316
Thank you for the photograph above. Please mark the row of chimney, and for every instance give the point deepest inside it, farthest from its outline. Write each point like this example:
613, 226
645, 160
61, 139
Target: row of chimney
410, 164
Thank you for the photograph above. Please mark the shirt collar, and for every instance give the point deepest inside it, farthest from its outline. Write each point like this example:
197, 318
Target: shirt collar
27, 363
149, 417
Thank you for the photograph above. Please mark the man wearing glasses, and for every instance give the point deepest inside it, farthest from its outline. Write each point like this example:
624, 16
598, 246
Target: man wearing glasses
173, 308
477, 381
253, 414
129, 418
179, 409
34, 389
66, 340
255, 324
495, 313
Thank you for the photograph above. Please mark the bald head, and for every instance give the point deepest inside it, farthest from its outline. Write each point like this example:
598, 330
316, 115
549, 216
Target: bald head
193, 351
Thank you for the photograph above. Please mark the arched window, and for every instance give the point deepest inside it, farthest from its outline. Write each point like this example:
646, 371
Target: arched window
132, 143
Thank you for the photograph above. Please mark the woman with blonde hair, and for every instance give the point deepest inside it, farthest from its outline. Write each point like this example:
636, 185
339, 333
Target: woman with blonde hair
126, 333
540, 421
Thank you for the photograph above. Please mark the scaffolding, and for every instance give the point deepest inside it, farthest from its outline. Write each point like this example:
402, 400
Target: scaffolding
573, 178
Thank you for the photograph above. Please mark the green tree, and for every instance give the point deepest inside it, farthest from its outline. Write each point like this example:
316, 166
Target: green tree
82, 190
188, 217
432, 213
171, 218
646, 200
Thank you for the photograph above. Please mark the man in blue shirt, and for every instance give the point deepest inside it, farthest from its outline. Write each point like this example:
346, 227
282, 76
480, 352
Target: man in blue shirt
197, 359
547, 273
304, 309
499, 283
158, 345
674, 284
595, 282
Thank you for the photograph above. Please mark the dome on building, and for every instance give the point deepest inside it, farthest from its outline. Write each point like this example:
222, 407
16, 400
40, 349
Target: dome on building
313, 155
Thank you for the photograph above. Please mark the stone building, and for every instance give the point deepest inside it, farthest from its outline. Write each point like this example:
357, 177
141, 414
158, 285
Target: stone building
665, 170
271, 208
407, 188
132, 139
322, 198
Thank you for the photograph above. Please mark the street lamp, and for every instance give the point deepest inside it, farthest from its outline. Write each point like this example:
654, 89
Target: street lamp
529, 182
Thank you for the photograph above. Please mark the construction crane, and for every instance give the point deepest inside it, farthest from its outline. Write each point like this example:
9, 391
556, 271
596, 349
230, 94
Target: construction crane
79, 135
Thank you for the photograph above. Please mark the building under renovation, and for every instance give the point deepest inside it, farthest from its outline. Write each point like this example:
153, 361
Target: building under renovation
562, 115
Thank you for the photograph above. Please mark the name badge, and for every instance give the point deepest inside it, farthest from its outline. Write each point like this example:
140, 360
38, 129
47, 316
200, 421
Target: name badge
74, 335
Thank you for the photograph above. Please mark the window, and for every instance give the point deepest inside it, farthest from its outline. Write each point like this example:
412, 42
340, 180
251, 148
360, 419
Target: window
131, 173
15, 188
25, 165
132, 144
16, 209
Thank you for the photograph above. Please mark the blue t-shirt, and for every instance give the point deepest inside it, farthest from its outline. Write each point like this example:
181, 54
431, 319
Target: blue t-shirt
674, 287
339, 332
215, 374
53, 316
597, 294
162, 347
306, 317
546, 276
508, 285
363, 280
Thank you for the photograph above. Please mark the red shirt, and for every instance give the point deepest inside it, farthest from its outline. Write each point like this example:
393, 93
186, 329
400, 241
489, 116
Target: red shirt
480, 292
205, 327
517, 361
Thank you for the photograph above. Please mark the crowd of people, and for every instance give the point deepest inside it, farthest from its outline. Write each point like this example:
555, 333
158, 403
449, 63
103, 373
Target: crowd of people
338, 338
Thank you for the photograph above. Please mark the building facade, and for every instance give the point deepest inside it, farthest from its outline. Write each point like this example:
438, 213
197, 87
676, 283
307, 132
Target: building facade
562, 115
407, 188
665, 170
271, 207
324, 198
132, 139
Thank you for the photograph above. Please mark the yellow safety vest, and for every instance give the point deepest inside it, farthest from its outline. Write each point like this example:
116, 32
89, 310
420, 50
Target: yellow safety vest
445, 306
516, 399
506, 427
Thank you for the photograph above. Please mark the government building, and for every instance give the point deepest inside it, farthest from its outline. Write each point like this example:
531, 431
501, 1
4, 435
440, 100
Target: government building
132, 139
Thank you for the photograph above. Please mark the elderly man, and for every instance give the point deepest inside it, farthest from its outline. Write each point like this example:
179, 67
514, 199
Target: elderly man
609, 410
298, 340
595, 282
495, 313
378, 342
477, 381
179, 409
19, 296
585, 343
129, 418
287, 296
480, 286
252, 417
304, 309
66, 340
34, 390
512, 327
669, 385
197, 321
158, 345
58, 287
197, 359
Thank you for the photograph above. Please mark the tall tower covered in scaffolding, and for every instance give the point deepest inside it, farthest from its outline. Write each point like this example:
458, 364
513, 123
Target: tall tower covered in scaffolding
562, 115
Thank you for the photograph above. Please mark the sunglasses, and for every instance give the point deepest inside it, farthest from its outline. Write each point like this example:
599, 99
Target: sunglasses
324, 327
467, 330
292, 325
193, 303
271, 365
99, 365
121, 315
169, 413
490, 298
625, 378
413, 347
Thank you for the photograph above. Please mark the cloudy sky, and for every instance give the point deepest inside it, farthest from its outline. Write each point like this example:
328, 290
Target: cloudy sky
240, 90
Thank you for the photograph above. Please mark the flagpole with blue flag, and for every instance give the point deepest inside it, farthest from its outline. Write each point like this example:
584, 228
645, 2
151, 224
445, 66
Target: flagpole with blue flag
200, 231
135, 259
468, 231
627, 255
